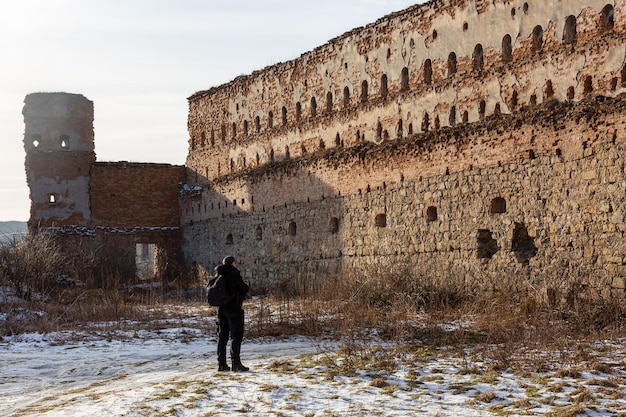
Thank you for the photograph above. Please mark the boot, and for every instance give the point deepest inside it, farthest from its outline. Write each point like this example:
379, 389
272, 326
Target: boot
238, 366
221, 360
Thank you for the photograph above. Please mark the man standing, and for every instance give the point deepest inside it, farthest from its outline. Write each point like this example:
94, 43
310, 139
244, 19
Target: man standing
231, 316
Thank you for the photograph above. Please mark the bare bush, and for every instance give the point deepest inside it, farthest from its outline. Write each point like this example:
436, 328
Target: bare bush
33, 265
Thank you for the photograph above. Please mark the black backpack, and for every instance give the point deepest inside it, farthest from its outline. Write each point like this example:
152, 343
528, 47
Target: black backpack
217, 291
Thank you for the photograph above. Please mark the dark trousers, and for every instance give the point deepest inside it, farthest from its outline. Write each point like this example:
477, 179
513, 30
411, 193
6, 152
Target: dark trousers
229, 324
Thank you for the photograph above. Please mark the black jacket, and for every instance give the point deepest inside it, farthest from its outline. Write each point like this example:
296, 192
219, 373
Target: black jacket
236, 286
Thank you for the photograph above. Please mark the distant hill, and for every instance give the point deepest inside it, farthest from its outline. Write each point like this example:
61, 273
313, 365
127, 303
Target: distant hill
12, 230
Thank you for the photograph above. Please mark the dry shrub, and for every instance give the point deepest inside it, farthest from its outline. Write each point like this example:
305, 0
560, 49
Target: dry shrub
101, 264
70, 309
32, 266
274, 316
45, 297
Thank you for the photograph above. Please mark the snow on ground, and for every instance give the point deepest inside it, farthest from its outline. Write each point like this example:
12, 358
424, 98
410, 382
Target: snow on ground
172, 372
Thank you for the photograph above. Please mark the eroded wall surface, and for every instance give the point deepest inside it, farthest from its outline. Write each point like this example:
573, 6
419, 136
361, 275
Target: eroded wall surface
552, 215
430, 66
488, 146
58, 141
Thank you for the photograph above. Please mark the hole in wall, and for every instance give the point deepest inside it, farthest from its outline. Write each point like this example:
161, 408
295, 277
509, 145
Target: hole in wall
35, 140
507, 49
549, 90
569, 31
451, 64
384, 91
486, 245
431, 214
452, 117
497, 206
405, 79
522, 244
333, 225
482, 108
65, 141
364, 91
428, 72
607, 22
588, 85
292, 230
537, 38
381, 220
477, 58
298, 111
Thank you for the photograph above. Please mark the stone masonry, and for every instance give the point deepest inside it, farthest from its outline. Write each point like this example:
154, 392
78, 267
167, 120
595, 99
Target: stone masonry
473, 141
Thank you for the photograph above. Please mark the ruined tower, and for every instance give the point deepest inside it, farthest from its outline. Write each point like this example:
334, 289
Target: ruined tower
127, 210
59, 144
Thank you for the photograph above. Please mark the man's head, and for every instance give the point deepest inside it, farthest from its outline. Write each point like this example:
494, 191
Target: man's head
229, 260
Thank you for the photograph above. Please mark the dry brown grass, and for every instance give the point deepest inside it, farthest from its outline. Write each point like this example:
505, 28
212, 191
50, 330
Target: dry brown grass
507, 328
388, 302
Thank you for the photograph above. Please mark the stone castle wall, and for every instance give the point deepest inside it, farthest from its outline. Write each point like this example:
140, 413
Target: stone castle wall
488, 147
546, 213
430, 66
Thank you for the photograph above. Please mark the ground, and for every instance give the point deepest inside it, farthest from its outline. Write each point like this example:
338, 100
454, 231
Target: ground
169, 369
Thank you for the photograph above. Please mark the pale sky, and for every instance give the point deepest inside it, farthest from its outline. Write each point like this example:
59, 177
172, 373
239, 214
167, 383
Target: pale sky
139, 60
